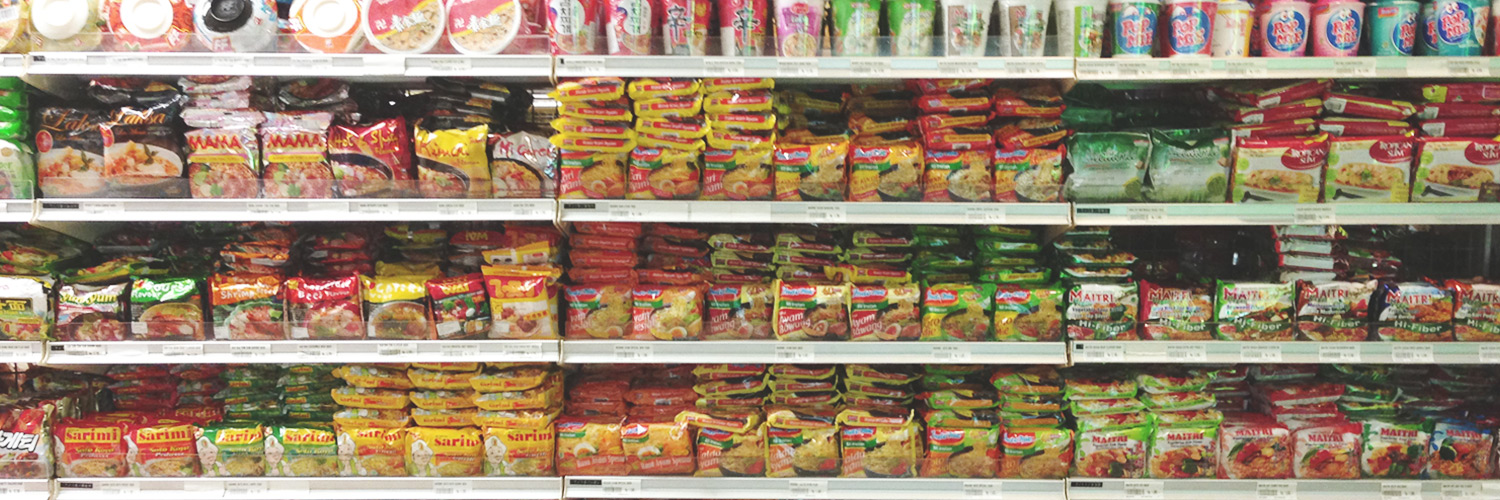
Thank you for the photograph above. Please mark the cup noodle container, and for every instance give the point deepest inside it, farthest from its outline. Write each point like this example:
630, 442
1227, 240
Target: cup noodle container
573, 26
484, 27
236, 25
1337, 25
1134, 25
911, 26
1023, 27
1392, 27
1232, 26
799, 27
1080, 27
148, 25
1189, 25
1283, 27
1459, 26
405, 26
966, 26
1428, 23
685, 27
65, 25
628, 25
742, 27
856, 27
327, 26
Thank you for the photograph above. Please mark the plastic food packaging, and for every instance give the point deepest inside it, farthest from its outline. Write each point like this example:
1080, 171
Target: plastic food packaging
1232, 26
1192, 23
1107, 166
573, 26
911, 26
966, 27
1023, 27
1461, 26
1255, 311
1413, 311
1280, 170
628, 26
1334, 311
1337, 28
799, 27
148, 25
66, 25
1454, 169
296, 156
685, 30
483, 27
1134, 24
856, 27
1355, 127
404, 26
328, 26
1080, 27
1392, 27
1369, 169
1283, 28
743, 27
236, 25
1188, 166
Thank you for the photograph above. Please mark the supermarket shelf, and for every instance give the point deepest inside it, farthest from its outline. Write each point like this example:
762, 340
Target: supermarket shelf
333, 488
816, 67
816, 212
771, 351
293, 351
1296, 489
16, 210
1214, 351
12, 64
1291, 67
1252, 214
199, 63
339, 210
25, 489
21, 352
830, 488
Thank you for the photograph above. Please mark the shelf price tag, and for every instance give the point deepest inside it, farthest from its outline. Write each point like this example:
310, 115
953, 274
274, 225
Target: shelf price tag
1187, 353
182, 349
1025, 68
1097, 68
457, 208
1100, 352
13, 350
101, 207
117, 487
1457, 490
620, 487
726, 66
981, 489
1354, 66
1260, 353
234, 61
459, 350
795, 353
626, 211
1129, 68
1150, 215
951, 354
634, 352
1489, 353
984, 214
805, 67
1276, 490
807, 488
84, 349
11, 488
395, 349
374, 207
265, 207
826, 213
1467, 66
249, 349
958, 68
318, 350
245, 488
1190, 67
1338, 353
312, 62
529, 209
1314, 214
1415, 353
1144, 490
126, 60
448, 487
584, 66
450, 63
523, 351
870, 68
1403, 490
1245, 67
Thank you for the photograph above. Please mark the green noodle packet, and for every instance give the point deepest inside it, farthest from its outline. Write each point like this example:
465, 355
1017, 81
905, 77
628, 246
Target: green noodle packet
232, 449
1188, 166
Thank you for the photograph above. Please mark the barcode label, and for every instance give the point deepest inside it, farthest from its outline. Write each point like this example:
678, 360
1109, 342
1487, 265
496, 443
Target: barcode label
265, 207
1099, 352
1025, 67
184, 349
620, 487
101, 207
233, 61
1143, 490
802, 67
374, 207
634, 352
1411, 353
12, 350
626, 211
452, 487
1260, 353
794, 353
450, 63
958, 68
1468, 67
461, 350
1460, 490
1339, 353
985, 214
529, 351
1276, 490
1354, 66
249, 349
1146, 214
826, 213
1187, 353
312, 62
457, 208
245, 487
11, 488
807, 488
1245, 67
1097, 68
395, 349
585, 66
529, 209
870, 68
1192, 68
724, 67
317, 350
118, 487
1400, 490
981, 489
84, 349
951, 354
1314, 214
1489, 354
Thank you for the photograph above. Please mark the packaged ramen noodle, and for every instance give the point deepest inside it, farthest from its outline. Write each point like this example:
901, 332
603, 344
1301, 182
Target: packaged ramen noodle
1254, 450
598, 311
1255, 311
451, 163
1176, 312
325, 309
1102, 311
144, 157
1476, 312
87, 448
1028, 314
1452, 168
1369, 169
1335, 310
232, 450
371, 160
223, 162
523, 307
92, 312
1460, 450
523, 165
667, 313
1280, 170
876, 443
811, 172
1107, 166
1112, 452
1413, 311
592, 175
806, 311
961, 452
295, 148
801, 443
663, 174
729, 450
1036, 453
70, 162
958, 176
957, 312
460, 307
657, 447
301, 451
166, 309
1031, 175
162, 449
590, 445
1184, 452
396, 308
1394, 449
739, 312
885, 172
1326, 450
247, 307
435, 452
372, 451
1188, 166
519, 451
26, 313
738, 174
884, 312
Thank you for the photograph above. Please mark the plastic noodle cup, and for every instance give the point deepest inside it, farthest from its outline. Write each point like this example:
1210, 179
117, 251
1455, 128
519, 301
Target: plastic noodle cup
1392, 27
1283, 27
1134, 25
1336, 28
799, 25
966, 26
628, 26
327, 26
239, 25
911, 26
684, 27
1080, 27
742, 27
856, 27
573, 26
1189, 25
1428, 22
1232, 26
149, 25
1023, 27
1457, 28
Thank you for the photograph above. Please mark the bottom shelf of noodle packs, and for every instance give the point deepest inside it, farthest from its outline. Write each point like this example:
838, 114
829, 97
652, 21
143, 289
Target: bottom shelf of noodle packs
331, 488
810, 487
1302, 489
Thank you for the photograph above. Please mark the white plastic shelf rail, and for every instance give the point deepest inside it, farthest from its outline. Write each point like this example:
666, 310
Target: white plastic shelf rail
587, 487
1292, 489
771, 351
1213, 351
294, 351
333, 488
337, 210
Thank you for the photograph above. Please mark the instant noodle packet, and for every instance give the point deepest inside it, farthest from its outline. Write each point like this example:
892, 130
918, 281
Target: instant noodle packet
1413, 311
1176, 312
1334, 311
1255, 311
957, 312
1476, 312
886, 172
1099, 311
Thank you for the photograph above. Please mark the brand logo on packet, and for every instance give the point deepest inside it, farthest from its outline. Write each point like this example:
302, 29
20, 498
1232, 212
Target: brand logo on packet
1455, 23
1286, 30
1404, 37
1136, 30
1343, 30
1303, 157
1189, 30
1483, 153
1391, 151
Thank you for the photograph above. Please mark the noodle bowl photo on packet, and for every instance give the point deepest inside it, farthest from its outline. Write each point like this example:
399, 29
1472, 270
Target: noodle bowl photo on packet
1454, 169
1369, 169
1280, 170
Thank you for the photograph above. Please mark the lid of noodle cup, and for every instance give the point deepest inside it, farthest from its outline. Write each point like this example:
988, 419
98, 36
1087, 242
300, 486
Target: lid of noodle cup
380, 29
329, 18
59, 19
147, 19
468, 17
227, 15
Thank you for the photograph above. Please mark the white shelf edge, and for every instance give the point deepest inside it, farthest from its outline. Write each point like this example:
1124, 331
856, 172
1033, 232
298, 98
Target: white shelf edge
295, 351
1299, 489
585, 487
772, 351
814, 212
331, 488
1301, 352
18, 351
301, 210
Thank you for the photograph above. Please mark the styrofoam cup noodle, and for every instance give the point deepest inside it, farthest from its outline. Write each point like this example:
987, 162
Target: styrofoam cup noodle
65, 25
1232, 27
483, 27
236, 25
404, 26
148, 25
327, 26
1190, 26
